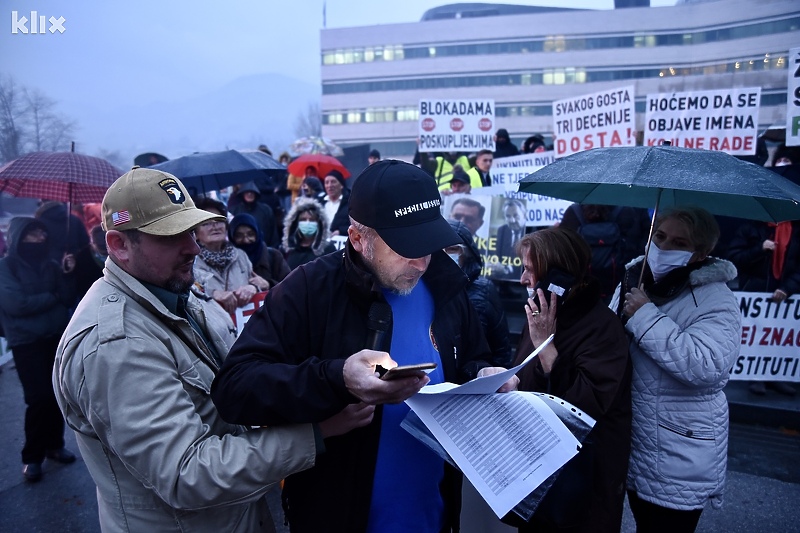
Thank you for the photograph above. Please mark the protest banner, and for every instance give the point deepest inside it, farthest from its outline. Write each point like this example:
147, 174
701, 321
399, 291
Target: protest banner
770, 339
456, 125
724, 120
510, 170
793, 99
598, 120
243, 314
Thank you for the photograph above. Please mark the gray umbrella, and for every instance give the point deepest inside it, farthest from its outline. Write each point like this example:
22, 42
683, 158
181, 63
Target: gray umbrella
666, 176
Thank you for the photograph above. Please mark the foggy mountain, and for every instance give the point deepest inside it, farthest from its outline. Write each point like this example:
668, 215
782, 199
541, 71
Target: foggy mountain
244, 113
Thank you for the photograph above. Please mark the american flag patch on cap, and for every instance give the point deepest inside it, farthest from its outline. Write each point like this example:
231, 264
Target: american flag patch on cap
120, 217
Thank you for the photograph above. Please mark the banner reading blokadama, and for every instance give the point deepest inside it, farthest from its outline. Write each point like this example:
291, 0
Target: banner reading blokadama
724, 120
597, 120
456, 125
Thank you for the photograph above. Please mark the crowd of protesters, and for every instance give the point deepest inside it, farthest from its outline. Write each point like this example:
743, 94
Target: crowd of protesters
668, 338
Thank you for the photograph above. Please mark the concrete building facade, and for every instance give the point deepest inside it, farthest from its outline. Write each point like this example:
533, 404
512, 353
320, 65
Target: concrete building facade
373, 77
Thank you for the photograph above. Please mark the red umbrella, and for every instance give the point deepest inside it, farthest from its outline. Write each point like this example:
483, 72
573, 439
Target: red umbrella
321, 162
62, 176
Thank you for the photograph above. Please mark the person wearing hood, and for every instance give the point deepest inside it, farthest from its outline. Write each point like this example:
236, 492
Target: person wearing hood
534, 144
264, 215
312, 188
685, 326
36, 294
503, 147
483, 295
268, 263
336, 202
70, 237
305, 233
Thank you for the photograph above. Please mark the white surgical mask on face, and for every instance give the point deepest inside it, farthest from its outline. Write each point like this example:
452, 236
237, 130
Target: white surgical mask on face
455, 257
662, 262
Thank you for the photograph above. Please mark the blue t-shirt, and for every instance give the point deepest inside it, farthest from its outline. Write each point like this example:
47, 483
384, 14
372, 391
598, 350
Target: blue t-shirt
405, 493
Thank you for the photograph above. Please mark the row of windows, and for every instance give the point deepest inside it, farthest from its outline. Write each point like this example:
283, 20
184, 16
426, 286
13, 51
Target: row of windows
560, 43
556, 76
411, 114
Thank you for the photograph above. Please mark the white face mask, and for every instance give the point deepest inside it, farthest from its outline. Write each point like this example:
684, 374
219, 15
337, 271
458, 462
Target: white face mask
455, 257
662, 262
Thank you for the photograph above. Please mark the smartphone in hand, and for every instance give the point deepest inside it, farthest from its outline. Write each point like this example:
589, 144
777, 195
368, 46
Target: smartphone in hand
407, 371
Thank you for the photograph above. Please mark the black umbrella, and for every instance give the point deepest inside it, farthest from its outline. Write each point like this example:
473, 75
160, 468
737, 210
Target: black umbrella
212, 171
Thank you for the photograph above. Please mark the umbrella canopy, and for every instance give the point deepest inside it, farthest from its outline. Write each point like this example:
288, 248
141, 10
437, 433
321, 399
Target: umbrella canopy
666, 176
149, 158
316, 145
62, 176
212, 171
322, 163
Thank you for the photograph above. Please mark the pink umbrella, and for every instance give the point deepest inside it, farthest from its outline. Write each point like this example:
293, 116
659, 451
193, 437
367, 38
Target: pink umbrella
62, 176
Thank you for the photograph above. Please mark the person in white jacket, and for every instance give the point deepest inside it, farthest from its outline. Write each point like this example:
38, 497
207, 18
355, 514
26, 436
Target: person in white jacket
684, 325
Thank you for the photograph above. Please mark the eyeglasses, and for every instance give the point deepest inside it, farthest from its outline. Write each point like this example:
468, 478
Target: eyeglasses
212, 223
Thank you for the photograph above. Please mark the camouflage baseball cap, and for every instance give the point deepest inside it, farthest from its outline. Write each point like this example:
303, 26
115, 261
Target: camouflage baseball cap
153, 202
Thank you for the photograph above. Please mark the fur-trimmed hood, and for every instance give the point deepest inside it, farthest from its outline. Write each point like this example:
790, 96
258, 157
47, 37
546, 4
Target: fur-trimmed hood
716, 270
290, 225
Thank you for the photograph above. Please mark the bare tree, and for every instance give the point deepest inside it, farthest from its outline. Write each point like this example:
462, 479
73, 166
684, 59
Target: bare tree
48, 130
309, 124
11, 112
29, 122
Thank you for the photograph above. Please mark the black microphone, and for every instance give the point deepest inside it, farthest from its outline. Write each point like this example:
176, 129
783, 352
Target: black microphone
379, 320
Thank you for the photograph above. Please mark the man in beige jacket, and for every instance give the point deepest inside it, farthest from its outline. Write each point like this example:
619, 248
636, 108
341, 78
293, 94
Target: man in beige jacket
133, 373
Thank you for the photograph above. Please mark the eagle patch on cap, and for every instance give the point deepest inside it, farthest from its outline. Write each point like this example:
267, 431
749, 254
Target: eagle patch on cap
173, 190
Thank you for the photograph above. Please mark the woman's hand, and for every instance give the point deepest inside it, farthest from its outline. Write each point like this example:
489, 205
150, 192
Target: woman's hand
542, 324
244, 294
226, 299
633, 301
541, 320
259, 282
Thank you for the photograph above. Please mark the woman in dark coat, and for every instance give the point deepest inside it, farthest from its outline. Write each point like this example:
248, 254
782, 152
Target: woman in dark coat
36, 294
587, 364
267, 262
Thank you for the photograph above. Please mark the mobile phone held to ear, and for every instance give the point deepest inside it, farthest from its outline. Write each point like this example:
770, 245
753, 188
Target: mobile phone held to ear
407, 371
556, 281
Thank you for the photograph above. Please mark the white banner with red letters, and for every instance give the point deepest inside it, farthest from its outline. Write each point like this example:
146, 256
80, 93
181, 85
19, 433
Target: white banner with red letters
723, 120
770, 340
597, 120
456, 125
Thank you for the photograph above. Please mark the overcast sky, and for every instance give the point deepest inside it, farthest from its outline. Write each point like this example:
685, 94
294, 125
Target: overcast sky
164, 49
118, 52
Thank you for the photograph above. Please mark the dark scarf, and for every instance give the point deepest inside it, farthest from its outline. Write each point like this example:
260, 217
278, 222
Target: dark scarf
662, 291
218, 260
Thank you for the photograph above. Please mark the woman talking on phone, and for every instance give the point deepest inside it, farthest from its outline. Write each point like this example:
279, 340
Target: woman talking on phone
685, 328
587, 364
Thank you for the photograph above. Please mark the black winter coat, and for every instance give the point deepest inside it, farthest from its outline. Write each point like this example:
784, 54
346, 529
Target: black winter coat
286, 367
34, 298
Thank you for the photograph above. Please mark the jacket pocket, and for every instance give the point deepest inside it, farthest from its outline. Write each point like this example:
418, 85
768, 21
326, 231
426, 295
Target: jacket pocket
686, 452
198, 376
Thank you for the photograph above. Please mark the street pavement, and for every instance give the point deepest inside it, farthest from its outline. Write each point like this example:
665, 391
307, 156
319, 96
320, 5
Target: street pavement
762, 495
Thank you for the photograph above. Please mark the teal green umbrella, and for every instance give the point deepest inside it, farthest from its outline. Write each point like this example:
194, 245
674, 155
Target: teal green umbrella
656, 177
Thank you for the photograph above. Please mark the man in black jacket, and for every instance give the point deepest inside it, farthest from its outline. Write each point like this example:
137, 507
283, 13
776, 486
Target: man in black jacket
393, 290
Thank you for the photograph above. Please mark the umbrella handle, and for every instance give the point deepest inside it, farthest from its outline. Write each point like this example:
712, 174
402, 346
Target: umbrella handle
650, 236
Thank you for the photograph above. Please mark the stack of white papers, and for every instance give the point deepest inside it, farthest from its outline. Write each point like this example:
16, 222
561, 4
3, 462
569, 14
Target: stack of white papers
506, 444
